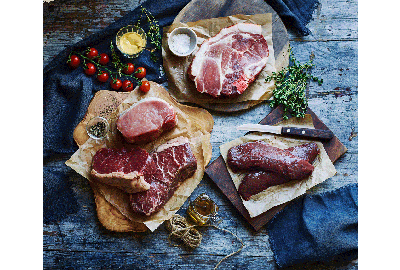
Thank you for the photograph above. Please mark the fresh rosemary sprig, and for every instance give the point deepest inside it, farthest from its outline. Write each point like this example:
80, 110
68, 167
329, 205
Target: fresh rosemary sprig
291, 83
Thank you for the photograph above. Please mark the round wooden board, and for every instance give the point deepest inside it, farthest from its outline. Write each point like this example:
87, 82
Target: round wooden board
206, 9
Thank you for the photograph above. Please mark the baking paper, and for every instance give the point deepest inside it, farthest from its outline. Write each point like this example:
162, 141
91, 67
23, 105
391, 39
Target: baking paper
183, 89
276, 195
193, 123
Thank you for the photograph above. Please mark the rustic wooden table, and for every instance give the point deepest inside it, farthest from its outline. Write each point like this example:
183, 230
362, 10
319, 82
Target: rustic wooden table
79, 241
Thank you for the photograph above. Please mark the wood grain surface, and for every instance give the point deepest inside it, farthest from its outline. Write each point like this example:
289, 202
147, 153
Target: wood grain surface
79, 241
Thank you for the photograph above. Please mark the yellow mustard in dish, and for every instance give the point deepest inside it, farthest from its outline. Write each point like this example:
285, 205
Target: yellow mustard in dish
132, 43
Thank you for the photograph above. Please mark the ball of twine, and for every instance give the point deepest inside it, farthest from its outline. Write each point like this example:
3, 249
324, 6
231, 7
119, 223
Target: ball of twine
179, 228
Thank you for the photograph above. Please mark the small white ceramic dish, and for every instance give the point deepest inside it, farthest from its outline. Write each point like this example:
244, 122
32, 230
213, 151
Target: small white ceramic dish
173, 42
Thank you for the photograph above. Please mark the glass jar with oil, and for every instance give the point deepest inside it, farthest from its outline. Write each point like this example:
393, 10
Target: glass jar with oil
202, 210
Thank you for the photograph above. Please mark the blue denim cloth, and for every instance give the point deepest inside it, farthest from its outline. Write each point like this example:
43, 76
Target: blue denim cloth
295, 14
67, 94
317, 228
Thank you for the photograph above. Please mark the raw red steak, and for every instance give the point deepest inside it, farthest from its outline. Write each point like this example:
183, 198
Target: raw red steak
122, 168
146, 120
260, 156
227, 63
255, 182
174, 163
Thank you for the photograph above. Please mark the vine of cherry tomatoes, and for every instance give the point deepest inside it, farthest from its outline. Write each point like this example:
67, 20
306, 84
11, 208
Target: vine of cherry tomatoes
91, 59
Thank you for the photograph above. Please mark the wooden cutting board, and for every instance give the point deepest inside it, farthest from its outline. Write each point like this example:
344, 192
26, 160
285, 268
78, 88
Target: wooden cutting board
206, 9
219, 174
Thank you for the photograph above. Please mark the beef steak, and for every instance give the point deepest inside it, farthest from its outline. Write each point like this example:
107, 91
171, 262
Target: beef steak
145, 120
255, 182
174, 163
227, 63
125, 169
261, 156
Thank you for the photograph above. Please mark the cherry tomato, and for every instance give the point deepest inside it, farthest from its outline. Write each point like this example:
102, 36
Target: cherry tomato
102, 77
116, 84
127, 85
129, 69
145, 87
104, 59
90, 69
140, 73
74, 61
92, 53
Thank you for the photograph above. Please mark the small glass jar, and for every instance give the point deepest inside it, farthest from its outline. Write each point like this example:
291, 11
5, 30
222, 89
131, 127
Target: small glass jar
131, 41
202, 210
97, 128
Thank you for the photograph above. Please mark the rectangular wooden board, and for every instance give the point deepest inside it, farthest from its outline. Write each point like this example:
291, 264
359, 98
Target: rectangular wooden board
219, 174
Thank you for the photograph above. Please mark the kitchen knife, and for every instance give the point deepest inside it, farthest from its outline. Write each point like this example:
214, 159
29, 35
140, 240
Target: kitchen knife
309, 133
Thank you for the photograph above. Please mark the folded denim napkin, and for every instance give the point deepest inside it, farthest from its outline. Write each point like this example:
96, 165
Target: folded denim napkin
316, 228
295, 14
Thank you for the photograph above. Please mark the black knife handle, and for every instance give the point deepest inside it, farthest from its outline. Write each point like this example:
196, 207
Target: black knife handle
308, 133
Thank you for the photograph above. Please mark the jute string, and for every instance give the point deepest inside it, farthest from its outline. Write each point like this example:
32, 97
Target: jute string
179, 228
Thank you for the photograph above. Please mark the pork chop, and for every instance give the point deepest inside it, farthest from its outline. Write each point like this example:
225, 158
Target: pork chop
146, 120
227, 63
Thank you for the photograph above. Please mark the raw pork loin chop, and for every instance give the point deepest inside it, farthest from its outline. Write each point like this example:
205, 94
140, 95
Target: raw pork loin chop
174, 163
122, 168
145, 120
227, 63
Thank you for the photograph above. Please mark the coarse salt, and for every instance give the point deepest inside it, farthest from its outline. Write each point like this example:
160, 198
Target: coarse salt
180, 43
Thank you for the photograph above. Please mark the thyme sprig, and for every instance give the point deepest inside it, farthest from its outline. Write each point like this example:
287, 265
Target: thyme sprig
153, 33
291, 84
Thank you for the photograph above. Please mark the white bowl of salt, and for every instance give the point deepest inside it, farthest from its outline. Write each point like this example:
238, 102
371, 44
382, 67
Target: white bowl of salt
182, 41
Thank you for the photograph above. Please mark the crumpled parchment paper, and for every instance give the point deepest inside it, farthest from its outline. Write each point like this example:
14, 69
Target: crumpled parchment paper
183, 89
194, 123
276, 195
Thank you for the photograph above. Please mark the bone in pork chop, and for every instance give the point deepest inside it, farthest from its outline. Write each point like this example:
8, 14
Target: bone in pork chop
227, 63
260, 156
255, 182
125, 169
174, 163
146, 120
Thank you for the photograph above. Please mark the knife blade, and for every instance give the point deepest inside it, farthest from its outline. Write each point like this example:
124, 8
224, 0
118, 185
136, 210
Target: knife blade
309, 133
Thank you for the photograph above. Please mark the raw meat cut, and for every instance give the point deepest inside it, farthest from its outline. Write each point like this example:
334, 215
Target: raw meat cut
145, 120
174, 163
307, 151
125, 169
260, 156
227, 63
255, 182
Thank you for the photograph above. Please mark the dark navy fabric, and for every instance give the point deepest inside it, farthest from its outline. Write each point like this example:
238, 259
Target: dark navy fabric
67, 94
317, 228
58, 196
295, 14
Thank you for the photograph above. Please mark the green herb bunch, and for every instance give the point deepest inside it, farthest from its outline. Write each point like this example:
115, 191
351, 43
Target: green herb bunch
291, 84
153, 33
